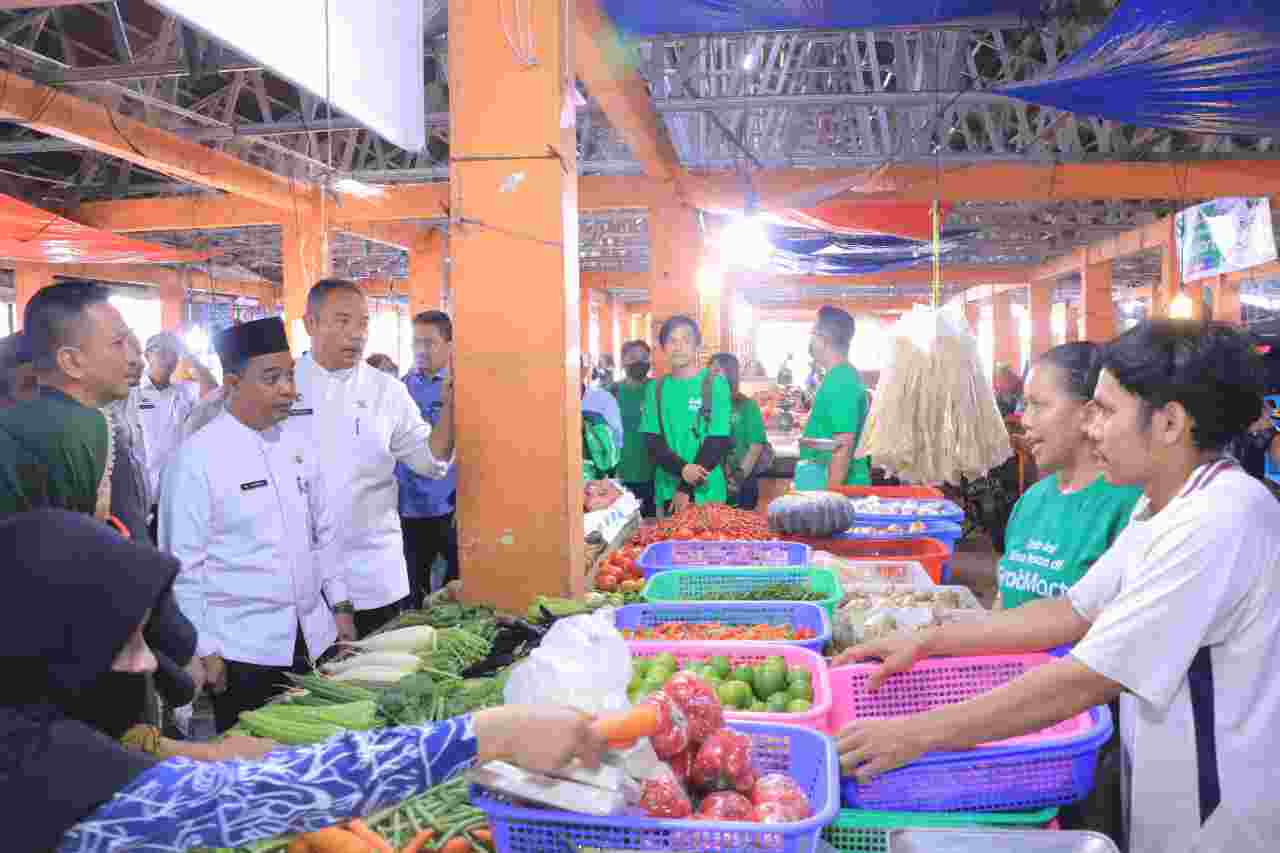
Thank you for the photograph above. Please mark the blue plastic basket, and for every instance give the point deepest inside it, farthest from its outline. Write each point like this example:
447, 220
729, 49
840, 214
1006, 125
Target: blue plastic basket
807, 756
950, 512
799, 614
686, 554
993, 778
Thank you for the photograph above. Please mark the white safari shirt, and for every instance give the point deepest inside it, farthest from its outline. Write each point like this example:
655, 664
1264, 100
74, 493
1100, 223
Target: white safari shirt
1185, 613
362, 421
244, 511
162, 414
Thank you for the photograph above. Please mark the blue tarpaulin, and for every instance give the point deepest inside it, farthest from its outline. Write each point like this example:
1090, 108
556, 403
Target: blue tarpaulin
636, 18
1204, 66
833, 254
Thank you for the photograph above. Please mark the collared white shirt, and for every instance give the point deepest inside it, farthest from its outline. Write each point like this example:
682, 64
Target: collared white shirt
126, 413
163, 413
206, 409
246, 514
362, 421
1185, 614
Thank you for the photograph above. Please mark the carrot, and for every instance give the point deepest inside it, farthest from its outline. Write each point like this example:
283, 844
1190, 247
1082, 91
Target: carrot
335, 839
419, 842
456, 845
299, 845
361, 830
484, 835
640, 721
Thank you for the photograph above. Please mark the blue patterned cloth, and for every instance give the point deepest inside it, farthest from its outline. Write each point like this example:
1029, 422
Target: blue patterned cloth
180, 804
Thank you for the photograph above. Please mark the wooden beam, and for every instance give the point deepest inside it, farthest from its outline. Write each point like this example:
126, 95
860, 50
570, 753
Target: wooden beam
1097, 302
605, 65
58, 113
397, 235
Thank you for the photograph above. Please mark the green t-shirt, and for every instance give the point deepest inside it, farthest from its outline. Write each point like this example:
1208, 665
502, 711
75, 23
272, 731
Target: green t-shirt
636, 465
685, 430
1052, 539
746, 427
840, 406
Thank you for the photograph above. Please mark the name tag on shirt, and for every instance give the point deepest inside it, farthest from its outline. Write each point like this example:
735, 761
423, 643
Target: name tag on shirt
256, 484
296, 412
145, 406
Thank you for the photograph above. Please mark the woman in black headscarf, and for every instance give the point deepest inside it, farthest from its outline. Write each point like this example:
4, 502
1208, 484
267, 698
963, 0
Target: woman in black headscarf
83, 597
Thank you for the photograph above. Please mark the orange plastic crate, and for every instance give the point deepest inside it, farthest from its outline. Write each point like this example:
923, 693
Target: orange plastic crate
930, 553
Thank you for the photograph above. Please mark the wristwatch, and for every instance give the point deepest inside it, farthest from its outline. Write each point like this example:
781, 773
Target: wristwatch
344, 607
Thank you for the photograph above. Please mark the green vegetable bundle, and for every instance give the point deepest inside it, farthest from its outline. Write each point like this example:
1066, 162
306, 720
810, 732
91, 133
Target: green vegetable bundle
773, 592
298, 725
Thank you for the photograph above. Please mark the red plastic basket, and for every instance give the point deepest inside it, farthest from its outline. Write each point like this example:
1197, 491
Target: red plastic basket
925, 492
750, 654
930, 553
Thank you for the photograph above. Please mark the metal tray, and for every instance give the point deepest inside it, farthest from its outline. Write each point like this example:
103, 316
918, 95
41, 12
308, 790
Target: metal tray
997, 841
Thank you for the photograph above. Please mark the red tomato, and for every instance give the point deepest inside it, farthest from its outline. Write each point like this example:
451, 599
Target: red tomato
607, 581
782, 790
727, 805
664, 797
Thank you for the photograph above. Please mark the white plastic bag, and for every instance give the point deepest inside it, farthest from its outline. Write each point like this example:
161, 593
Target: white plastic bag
582, 662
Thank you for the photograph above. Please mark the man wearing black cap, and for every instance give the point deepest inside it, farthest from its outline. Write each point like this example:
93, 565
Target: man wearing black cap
243, 507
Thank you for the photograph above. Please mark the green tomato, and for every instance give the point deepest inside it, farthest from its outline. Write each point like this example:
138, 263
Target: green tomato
758, 707
655, 680
666, 660
734, 694
778, 703
800, 690
745, 674
776, 662
721, 665
640, 666
799, 706
799, 674
770, 681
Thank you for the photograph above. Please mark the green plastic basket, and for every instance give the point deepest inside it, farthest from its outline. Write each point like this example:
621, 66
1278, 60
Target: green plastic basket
857, 831
704, 584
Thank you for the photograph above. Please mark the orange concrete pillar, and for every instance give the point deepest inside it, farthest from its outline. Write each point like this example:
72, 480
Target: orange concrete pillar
426, 273
172, 302
304, 253
1226, 301
1097, 302
1040, 302
1004, 333
514, 207
675, 256
27, 279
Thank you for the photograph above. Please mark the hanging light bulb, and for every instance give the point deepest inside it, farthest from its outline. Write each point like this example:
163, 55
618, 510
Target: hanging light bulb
197, 341
1181, 308
744, 243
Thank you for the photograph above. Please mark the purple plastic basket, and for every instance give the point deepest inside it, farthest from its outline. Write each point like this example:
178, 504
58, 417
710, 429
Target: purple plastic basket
993, 778
691, 554
799, 614
807, 756
1048, 768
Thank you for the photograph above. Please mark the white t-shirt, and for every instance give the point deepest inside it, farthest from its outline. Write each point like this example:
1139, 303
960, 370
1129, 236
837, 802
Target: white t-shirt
1185, 613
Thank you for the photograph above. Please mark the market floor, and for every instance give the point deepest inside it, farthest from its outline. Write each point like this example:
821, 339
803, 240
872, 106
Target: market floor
974, 566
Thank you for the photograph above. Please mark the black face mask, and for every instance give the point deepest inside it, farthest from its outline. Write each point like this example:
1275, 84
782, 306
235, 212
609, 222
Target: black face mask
637, 370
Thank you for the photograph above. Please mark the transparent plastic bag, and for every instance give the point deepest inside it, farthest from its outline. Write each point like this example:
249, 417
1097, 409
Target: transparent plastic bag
582, 662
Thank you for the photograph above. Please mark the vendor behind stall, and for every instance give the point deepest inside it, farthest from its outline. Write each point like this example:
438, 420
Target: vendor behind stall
1065, 522
64, 786
746, 428
839, 409
686, 419
1180, 617
635, 470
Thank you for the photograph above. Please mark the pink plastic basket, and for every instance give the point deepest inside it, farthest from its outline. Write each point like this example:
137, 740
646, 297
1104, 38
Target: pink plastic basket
1050, 767
750, 654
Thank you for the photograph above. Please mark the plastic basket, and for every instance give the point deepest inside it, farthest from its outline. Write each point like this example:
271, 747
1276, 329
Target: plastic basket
904, 512
807, 756
798, 614
889, 492
750, 654
702, 584
854, 571
857, 831
680, 554
948, 533
929, 553
1051, 767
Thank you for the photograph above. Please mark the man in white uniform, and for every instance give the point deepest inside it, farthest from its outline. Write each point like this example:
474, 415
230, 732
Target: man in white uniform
164, 405
1180, 618
362, 421
243, 508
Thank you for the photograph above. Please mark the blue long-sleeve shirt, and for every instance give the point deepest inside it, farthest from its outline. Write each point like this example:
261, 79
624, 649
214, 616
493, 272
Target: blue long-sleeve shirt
421, 497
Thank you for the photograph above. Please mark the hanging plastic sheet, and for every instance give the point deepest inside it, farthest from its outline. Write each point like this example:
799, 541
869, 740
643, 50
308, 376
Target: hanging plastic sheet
30, 234
783, 262
853, 216
882, 246
735, 16
1204, 66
